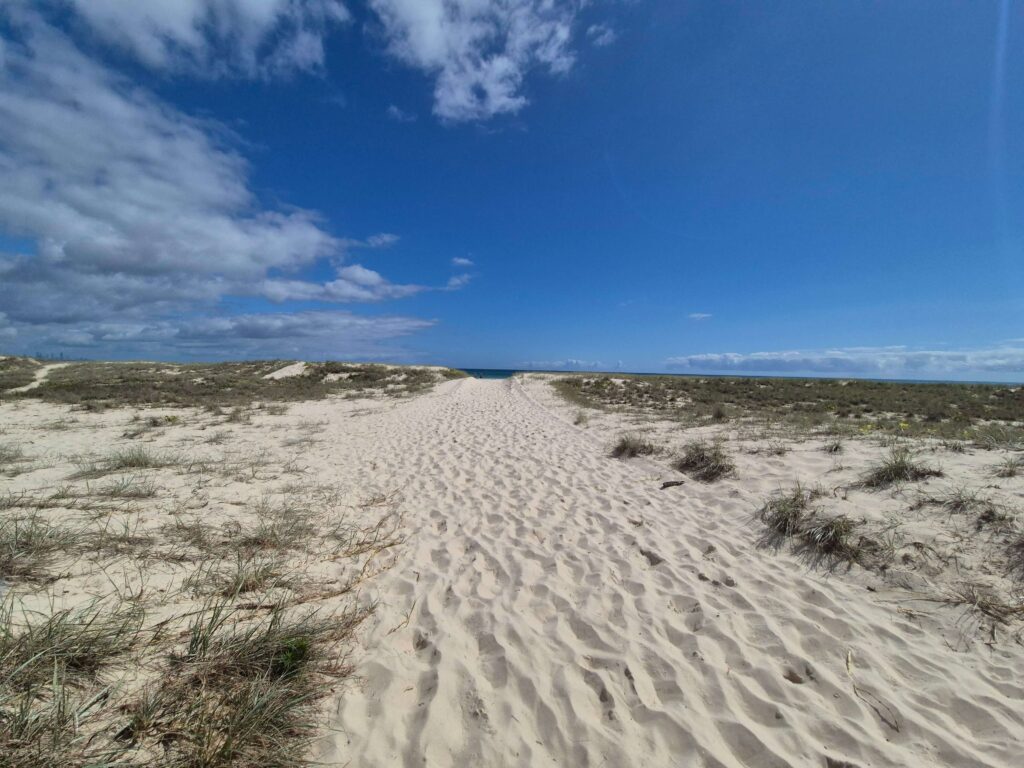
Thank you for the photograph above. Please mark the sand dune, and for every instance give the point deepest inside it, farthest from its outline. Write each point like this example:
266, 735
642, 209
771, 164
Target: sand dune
555, 607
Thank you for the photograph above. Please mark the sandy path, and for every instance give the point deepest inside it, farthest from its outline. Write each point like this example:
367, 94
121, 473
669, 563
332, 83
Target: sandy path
524, 625
40, 377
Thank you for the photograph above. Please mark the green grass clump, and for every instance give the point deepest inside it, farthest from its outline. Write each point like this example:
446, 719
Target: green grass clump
831, 537
705, 461
134, 458
630, 446
897, 467
243, 693
785, 513
128, 487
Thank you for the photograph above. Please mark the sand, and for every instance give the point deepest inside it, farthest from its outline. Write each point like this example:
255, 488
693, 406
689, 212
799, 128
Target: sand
553, 606
527, 624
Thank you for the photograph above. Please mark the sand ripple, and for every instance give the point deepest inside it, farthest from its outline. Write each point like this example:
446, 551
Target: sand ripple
526, 624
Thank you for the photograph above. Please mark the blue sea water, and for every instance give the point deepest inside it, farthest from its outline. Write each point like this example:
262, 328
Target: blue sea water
491, 373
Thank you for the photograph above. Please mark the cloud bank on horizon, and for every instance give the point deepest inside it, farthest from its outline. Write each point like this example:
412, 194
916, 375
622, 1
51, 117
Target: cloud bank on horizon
882, 362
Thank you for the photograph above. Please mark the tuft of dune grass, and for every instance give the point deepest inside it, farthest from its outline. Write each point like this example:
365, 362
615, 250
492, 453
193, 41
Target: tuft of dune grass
1011, 466
705, 461
630, 446
29, 544
242, 692
898, 466
136, 457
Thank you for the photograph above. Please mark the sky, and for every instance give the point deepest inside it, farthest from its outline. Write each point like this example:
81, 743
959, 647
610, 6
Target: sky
798, 188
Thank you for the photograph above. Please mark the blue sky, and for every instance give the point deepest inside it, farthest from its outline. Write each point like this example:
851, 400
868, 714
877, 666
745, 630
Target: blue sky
793, 187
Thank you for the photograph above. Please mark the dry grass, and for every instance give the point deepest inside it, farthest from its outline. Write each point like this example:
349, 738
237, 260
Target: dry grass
51, 691
127, 487
1011, 466
9, 454
78, 643
981, 600
791, 515
1015, 556
630, 446
248, 573
283, 528
961, 500
705, 461
28, 546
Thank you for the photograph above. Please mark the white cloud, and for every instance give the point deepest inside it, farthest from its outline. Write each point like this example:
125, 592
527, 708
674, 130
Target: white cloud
455, 282
479, 50
382, 240
138, 212
699, 316
883, 362
601, 35
215, 37
459, 261
310, 335
399, 115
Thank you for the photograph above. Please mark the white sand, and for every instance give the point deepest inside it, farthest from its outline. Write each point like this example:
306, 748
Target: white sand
523, 625
293, 369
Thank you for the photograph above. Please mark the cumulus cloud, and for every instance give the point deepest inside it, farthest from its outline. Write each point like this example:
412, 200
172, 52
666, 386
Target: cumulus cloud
884, 362
601, 35
310, 335
137, 212
699, 316
479, 51
214, 37
459, 261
